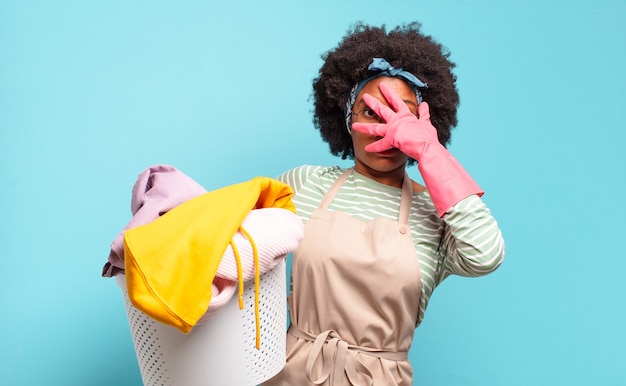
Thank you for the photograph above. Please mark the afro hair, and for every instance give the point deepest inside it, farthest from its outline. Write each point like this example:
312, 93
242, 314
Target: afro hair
404, 46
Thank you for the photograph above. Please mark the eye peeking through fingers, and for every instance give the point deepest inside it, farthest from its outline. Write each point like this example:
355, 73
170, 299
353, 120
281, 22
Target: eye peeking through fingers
367, 115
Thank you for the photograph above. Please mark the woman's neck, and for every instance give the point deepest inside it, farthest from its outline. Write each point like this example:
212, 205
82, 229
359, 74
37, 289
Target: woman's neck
391, 178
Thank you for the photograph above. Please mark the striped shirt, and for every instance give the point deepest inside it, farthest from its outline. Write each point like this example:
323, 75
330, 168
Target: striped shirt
466, 242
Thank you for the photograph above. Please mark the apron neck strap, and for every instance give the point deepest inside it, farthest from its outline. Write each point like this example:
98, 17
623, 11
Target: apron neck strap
332, 192
405, 202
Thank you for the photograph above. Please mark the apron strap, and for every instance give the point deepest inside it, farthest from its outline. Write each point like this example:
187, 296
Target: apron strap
405, 203
332, 192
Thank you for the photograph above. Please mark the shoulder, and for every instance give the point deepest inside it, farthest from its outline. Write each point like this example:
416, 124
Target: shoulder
417, 188
310, 174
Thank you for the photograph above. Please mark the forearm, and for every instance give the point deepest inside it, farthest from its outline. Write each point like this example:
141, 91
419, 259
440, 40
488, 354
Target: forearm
473, 241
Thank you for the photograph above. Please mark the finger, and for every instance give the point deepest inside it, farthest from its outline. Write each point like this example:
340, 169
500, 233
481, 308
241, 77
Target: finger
377, 129
378, 146
378, 107
423, 112
390, 96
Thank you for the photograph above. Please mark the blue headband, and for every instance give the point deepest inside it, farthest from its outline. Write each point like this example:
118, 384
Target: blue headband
386, 69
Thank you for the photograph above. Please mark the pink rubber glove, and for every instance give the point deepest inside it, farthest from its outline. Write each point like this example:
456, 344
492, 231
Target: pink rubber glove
446, 180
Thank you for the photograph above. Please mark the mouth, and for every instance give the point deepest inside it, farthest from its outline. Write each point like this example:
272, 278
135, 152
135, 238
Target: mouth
388, 153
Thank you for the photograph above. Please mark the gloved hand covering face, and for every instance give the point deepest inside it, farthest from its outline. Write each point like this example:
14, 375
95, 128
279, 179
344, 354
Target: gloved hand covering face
401, 129
446, 180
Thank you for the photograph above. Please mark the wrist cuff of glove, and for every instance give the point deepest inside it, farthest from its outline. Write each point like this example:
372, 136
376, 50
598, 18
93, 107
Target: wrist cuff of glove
446, 180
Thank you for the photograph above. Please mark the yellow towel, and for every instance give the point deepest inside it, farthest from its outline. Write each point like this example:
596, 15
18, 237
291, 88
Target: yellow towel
170, 263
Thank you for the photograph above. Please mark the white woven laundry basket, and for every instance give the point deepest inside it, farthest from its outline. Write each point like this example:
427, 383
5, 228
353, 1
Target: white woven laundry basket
220, 352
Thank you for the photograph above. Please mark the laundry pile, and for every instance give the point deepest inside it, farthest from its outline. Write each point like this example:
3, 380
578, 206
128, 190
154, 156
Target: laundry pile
185, 251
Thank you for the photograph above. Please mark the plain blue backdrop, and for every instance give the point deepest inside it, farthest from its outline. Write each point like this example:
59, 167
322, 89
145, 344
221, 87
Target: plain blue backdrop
91, 93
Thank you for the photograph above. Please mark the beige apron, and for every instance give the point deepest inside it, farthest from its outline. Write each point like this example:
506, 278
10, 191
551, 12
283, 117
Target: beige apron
355, 300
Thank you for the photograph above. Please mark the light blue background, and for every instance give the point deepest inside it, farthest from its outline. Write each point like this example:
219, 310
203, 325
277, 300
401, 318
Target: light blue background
93, 92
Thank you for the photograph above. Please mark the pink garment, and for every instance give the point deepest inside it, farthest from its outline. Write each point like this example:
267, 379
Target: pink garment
275, 231
158, 189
